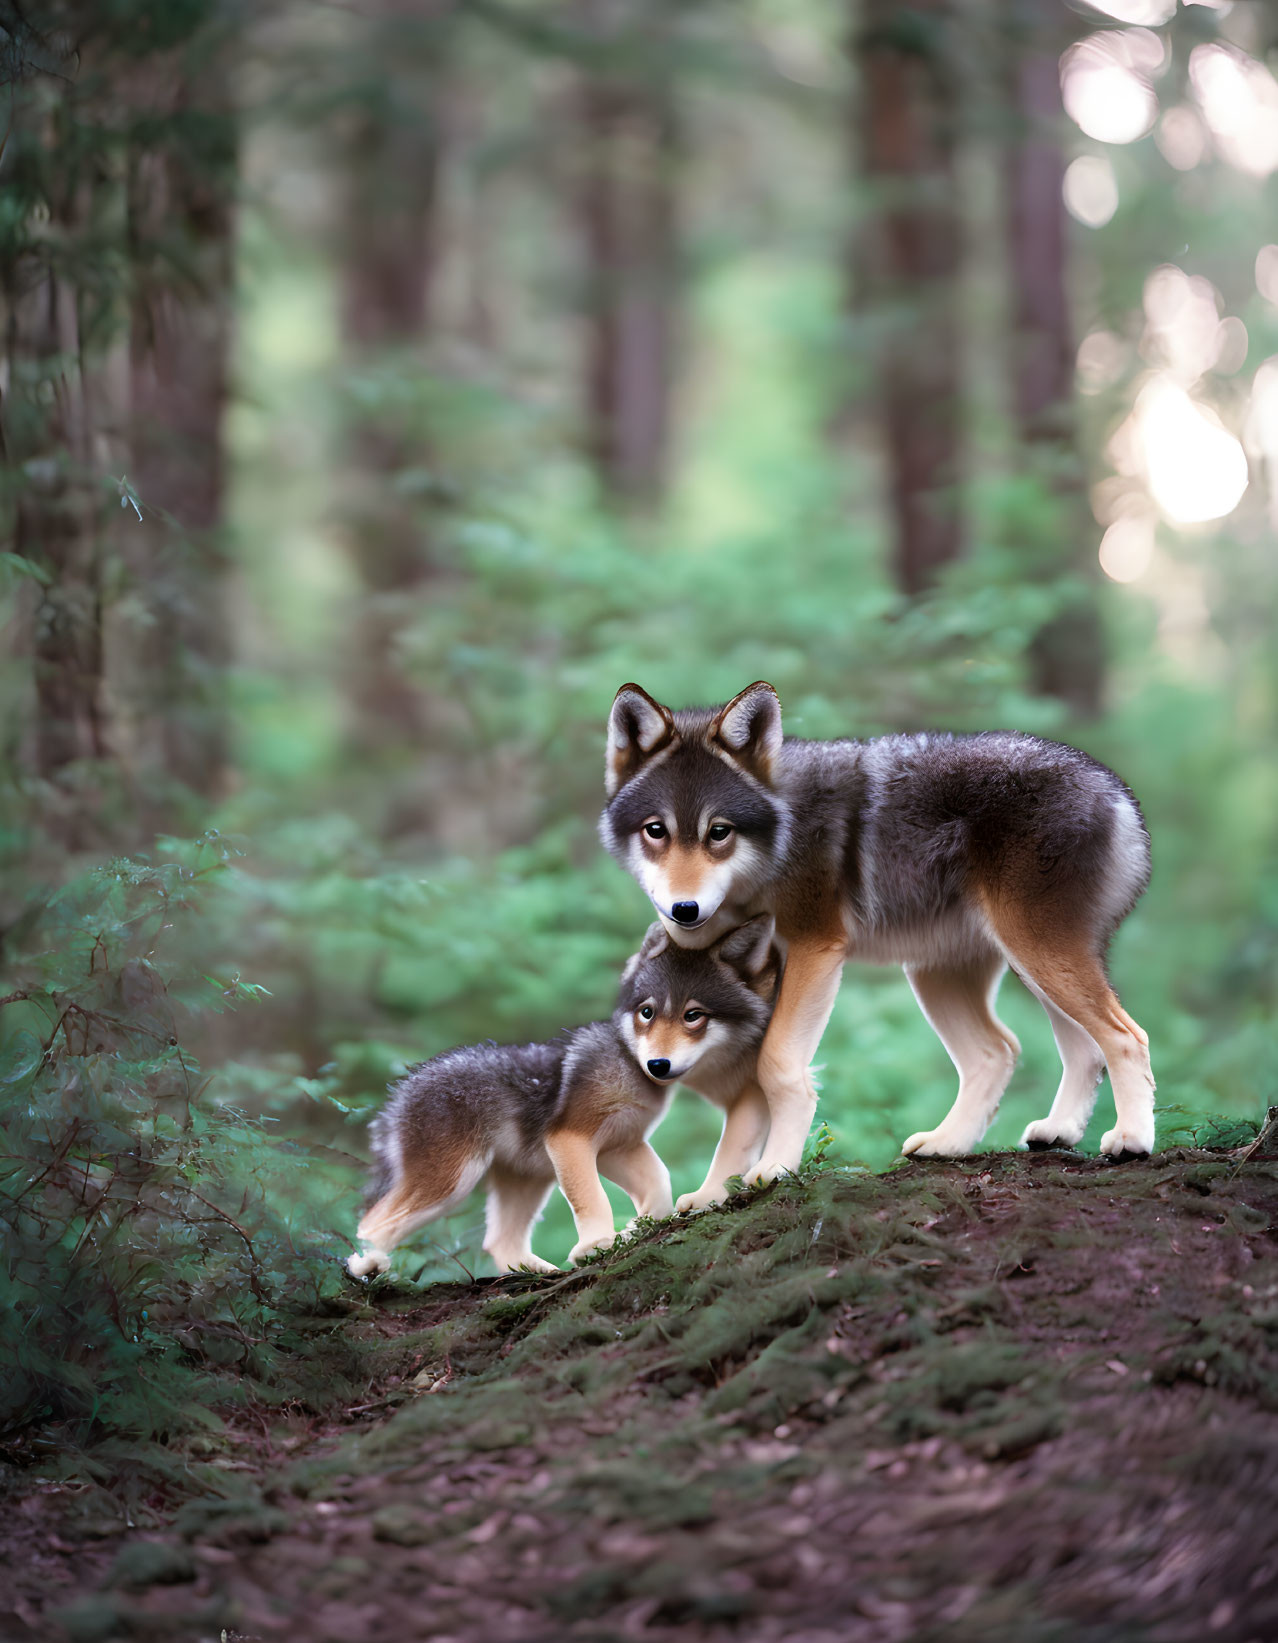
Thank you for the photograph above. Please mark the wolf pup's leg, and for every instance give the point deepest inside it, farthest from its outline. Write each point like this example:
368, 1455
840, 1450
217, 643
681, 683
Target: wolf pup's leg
576, 1165
809, 986
1082, 1068
423, 1189
1068, 970
642, 1176
958, 1003
514, 1204
745, 1127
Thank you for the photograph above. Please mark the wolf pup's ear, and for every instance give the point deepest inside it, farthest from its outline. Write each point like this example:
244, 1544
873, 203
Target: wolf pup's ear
656, 941
748, 948
638, 727
750, 729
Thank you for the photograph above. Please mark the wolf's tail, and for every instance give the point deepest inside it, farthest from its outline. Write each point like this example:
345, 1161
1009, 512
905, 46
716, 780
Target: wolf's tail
382, 1172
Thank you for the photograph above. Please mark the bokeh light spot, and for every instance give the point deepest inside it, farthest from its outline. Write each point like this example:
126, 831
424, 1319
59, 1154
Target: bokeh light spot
1103, 91
1239, 100
1091, 193
1100, 362
1195, 469
1180, 137
1127, 548
1267, 273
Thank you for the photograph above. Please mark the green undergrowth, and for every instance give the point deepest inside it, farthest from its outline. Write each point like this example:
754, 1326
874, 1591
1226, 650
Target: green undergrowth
986, 1363
165, 1265
900, 1290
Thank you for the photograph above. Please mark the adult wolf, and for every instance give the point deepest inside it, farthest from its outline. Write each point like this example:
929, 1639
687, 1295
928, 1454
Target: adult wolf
954, 856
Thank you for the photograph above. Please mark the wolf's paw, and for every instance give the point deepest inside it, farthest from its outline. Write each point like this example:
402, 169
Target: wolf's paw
704, 1198
938, 1143
587, 1247
527, 1263
1134, 1141
368, 1264
770, 1170
1049, 1132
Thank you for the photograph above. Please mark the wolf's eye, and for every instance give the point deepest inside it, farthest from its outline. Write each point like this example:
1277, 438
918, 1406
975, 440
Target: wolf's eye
691, 1016
719, 832
646, 1012
655, 829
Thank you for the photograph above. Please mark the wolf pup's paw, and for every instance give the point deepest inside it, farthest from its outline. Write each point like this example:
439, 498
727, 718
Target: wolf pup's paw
590, 1246
770, 1170
1136, 1141
938, 1143
529, 1263
367, 1265
703, 1198
1047, 1132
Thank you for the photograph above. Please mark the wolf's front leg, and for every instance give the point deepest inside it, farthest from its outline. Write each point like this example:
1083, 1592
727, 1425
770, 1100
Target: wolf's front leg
577, 1168
809, 987
745, 1126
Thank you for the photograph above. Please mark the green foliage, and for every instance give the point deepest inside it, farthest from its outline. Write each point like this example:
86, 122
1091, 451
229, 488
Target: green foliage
150, 1266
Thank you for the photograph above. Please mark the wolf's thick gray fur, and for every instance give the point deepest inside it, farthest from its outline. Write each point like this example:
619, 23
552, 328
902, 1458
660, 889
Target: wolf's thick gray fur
953, 855
497, 1111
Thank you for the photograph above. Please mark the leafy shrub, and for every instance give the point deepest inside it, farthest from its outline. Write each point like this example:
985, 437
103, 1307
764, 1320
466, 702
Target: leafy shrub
147, 1258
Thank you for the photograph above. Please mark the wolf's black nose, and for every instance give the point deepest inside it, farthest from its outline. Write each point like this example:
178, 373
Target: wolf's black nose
684, 912
659, 1067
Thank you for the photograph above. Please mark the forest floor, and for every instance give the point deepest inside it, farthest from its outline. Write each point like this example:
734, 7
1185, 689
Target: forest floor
1011, 1399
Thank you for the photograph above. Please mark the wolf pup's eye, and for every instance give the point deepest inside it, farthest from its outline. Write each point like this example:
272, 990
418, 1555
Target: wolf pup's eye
646, 1012
655, 829
693, 1015
719, 832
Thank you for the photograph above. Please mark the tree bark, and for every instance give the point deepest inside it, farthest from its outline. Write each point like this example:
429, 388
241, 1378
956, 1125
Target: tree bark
629, 230
907, 264
52, 447
387, 256
181, 221
1066, 657
56, 524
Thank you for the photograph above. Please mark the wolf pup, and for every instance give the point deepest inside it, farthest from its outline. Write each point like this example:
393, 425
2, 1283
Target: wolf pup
521, 1116
953, 856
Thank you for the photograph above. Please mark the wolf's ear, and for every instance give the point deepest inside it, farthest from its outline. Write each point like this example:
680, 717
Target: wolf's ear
748, 948
750, 729
656, 941
637, 728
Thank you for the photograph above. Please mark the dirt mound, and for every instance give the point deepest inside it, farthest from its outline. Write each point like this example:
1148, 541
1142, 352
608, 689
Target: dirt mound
1018, 1398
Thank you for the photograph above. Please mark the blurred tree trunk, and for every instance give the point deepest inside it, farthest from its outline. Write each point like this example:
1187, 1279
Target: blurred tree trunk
55, 189
387, 254
57, 517
181, 219
1067, 655
628, 219
906, 265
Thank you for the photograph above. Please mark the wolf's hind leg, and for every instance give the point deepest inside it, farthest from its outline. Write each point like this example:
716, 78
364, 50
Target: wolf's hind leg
958, 1003
1082, 1067
1067, 968
425, 1190
745, 1128
642, 1176
514, 1204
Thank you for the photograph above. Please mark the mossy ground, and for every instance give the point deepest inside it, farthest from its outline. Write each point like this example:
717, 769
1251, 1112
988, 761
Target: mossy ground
1016, 1398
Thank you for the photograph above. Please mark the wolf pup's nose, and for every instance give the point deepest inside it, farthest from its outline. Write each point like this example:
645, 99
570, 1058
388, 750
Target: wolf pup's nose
684, 912
659, 1067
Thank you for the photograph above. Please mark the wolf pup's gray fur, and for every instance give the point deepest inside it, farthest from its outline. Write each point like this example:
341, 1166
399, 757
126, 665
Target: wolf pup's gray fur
954, 856
522, 1116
